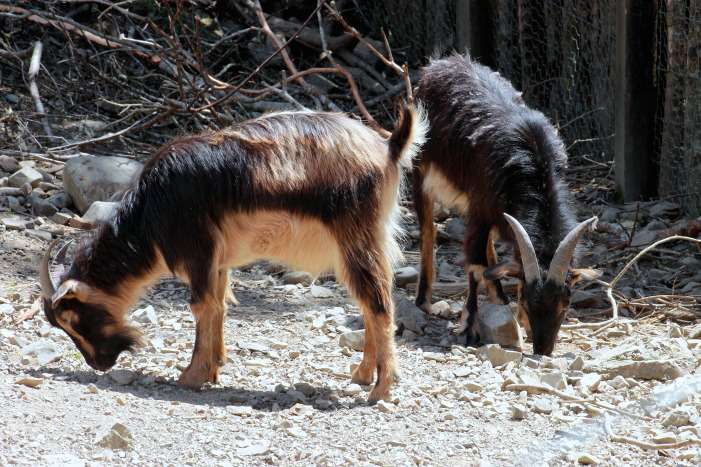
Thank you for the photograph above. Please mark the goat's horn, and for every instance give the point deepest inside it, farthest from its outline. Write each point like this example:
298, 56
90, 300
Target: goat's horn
531, 270
47, 284
560, 263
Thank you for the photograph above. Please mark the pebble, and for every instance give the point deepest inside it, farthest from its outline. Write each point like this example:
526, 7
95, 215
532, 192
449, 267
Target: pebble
353, 339
556, 380
44, 350
116, 436
406, 275
9, 164
240, 410
577, 364
676, 418
590, 381
665, 438
25, 175
352, 390
662, 370
519, 412
146, 315
497, 355
409, 316
123, 377
385, 407
543, 405
319, 291
91, 389
256, 448
442, 309
30, 382
587, 459
498, 325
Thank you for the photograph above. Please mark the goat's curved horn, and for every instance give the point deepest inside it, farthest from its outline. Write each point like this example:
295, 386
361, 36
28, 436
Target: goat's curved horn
531, 270
560, 263
47, 284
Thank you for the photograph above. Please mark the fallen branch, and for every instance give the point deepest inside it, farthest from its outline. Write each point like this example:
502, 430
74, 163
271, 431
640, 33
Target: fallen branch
655, 446
34, 67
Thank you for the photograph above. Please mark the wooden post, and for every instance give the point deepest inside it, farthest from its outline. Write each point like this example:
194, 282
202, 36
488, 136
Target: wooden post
474, 29
636, 100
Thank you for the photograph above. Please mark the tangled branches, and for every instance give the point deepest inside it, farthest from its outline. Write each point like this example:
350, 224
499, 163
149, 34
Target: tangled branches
133, 73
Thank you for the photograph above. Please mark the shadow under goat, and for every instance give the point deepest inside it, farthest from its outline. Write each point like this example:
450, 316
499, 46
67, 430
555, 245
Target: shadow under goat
317, 191
492, 157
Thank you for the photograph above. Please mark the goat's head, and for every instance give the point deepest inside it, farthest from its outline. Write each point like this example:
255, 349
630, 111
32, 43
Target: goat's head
544, 293
87, 315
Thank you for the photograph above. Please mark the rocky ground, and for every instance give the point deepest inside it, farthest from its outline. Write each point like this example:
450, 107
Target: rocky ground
627, 393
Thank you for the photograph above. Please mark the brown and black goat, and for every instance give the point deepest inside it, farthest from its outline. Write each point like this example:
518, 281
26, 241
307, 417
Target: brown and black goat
492, 157
317, 191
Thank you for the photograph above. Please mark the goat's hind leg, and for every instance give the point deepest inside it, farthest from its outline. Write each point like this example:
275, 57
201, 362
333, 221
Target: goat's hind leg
209, 353
423, 205
368, 276
476, 241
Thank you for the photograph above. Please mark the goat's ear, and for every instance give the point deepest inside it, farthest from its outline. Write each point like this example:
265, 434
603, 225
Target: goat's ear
502, 270
71, 289
586, 274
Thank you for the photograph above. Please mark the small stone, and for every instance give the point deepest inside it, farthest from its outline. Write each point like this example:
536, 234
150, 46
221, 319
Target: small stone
296, 432
61, 200
30, 382
353, 339
14, 223
91, 389
543, 405
240, 410
587, 459
352, 390
676, 418
619, 382
296, 277
577, 364
321, 292
115, 437
385, 407
100, 212
61, 218
256, 448
435, 357
44, 350
9, 164
25, 175
498, 356
498, 325
409, 316
123, 377
462, 372
146, 315
665, 438
473, 387
253, 346
41, 206
661, 370
442, 309
556, 380
305, 388
590, 381
406, 275
518, 412
39, 234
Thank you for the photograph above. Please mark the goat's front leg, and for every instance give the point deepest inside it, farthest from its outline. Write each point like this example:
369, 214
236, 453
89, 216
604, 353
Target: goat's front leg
423, 206
209, 352
476, 240
495, 291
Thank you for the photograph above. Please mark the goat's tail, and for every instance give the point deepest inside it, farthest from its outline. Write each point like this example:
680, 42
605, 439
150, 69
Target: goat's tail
409, 135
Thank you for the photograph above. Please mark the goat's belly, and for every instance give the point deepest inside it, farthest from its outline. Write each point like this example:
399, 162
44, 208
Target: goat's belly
439, 188
300, 242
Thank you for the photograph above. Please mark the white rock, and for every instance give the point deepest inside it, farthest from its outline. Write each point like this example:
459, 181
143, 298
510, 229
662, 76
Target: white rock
679, 417
146, 315
405, 275
116, 436
555, 379
296, 277
240, 410
319, 291
498, 325
442, 309
253, 346
577, 364
123, 377
352, 390
354, 340
518, 412
44, 350
543, 405
590, 381
100, 212
90, 178
25, 175
256, 448
462, 372
498, 356
385, 407
619, 382
409, 316
645, 369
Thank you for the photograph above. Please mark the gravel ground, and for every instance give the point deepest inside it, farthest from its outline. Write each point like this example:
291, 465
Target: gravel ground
285, 397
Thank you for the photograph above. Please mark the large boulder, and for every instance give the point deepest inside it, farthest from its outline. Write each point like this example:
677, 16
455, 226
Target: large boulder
89, 178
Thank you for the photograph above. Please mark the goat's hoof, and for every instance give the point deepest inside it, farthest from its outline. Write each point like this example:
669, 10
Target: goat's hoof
195, 378
379, 394
362, 376
425, 306
472, 338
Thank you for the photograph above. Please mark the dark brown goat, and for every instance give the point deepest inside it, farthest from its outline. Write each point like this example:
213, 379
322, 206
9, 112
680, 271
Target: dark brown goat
492, 157
317, 191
